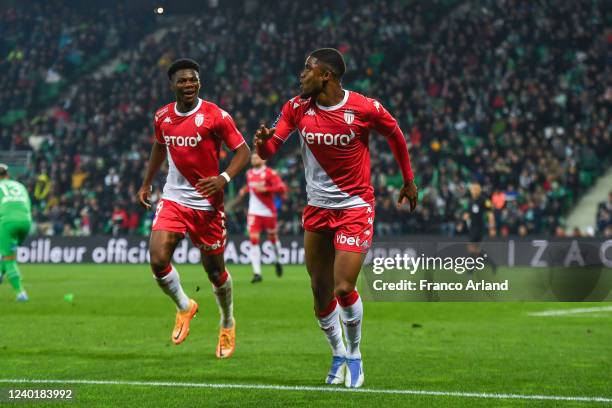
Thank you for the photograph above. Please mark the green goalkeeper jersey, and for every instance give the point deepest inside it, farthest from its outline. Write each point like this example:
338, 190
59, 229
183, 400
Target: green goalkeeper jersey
15, 202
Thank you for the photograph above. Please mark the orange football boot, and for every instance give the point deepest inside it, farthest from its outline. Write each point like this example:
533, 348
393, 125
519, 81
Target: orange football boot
183, 318
227, 342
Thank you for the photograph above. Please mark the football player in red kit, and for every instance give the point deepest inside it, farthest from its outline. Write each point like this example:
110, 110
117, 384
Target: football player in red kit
263, 184
334, 126
189, 134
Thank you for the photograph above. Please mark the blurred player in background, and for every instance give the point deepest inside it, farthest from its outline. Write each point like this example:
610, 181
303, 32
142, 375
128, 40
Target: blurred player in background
334, 126
263, 183
15, 224
189, 134
479, 207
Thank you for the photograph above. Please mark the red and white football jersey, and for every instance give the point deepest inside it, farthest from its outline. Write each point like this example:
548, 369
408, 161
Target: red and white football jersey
335, 151
193, 142
262, 203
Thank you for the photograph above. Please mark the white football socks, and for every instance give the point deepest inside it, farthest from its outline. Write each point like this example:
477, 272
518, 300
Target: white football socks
171, 285
330, 325
256, 258
223, 295
276, 248
352, 317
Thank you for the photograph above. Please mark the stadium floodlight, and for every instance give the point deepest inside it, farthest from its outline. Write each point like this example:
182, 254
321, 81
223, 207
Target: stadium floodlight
159, 10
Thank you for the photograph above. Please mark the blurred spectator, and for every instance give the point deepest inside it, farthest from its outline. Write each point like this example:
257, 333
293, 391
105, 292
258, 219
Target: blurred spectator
604, 215
120, 221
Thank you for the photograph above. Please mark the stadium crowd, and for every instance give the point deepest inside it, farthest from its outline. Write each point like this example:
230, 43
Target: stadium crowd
514, 95
44, 45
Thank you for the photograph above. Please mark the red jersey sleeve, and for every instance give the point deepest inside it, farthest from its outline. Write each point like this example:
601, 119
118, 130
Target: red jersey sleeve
159, 138
284, 125
226, 129
385, 124
275, 184
380, 119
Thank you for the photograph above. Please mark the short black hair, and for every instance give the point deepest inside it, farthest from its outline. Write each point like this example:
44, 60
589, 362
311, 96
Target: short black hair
183, 63
3, 169
333, 58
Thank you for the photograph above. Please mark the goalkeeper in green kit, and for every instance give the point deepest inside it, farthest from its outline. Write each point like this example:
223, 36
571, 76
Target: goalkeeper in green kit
15, 224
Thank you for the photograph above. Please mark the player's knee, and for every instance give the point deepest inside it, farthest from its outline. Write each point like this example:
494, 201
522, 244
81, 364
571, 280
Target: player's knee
272, 237
344, 289
159, 264
254, 239
9, 266
217, 276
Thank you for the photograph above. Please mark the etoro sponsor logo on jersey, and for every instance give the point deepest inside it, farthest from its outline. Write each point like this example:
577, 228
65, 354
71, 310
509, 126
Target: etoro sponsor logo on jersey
183, 141
327, 138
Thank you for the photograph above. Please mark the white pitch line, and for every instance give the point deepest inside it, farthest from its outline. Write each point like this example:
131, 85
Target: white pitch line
563, 312
304, 388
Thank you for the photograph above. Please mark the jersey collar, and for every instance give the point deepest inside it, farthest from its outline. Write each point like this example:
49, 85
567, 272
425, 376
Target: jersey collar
191, 112
337, 106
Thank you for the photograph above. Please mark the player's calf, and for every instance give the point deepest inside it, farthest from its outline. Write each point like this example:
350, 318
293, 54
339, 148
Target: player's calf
10, 268
351, 314
255, 254
222, 288
276, 247
329, 322
169, 281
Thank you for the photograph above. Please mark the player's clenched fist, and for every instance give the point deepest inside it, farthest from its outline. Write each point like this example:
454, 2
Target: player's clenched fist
408, 193
263, 134
143, 196
208, 186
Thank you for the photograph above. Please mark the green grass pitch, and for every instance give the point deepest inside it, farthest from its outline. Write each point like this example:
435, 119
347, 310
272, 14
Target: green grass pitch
118, 326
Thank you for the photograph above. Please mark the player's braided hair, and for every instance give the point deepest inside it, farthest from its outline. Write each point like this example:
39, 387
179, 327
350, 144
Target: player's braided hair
332, 58
183, 63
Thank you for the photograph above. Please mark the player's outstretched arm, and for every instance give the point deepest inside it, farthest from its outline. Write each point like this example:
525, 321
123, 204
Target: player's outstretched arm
243, 192
267, 141
211, 185
276, 184
263, 142
158, 155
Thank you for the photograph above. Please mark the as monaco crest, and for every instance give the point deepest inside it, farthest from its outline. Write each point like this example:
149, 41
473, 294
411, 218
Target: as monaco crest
349, 116
199, 119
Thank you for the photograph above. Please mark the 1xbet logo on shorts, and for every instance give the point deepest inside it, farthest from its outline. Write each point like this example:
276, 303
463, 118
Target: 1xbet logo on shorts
212, 247
352, 241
